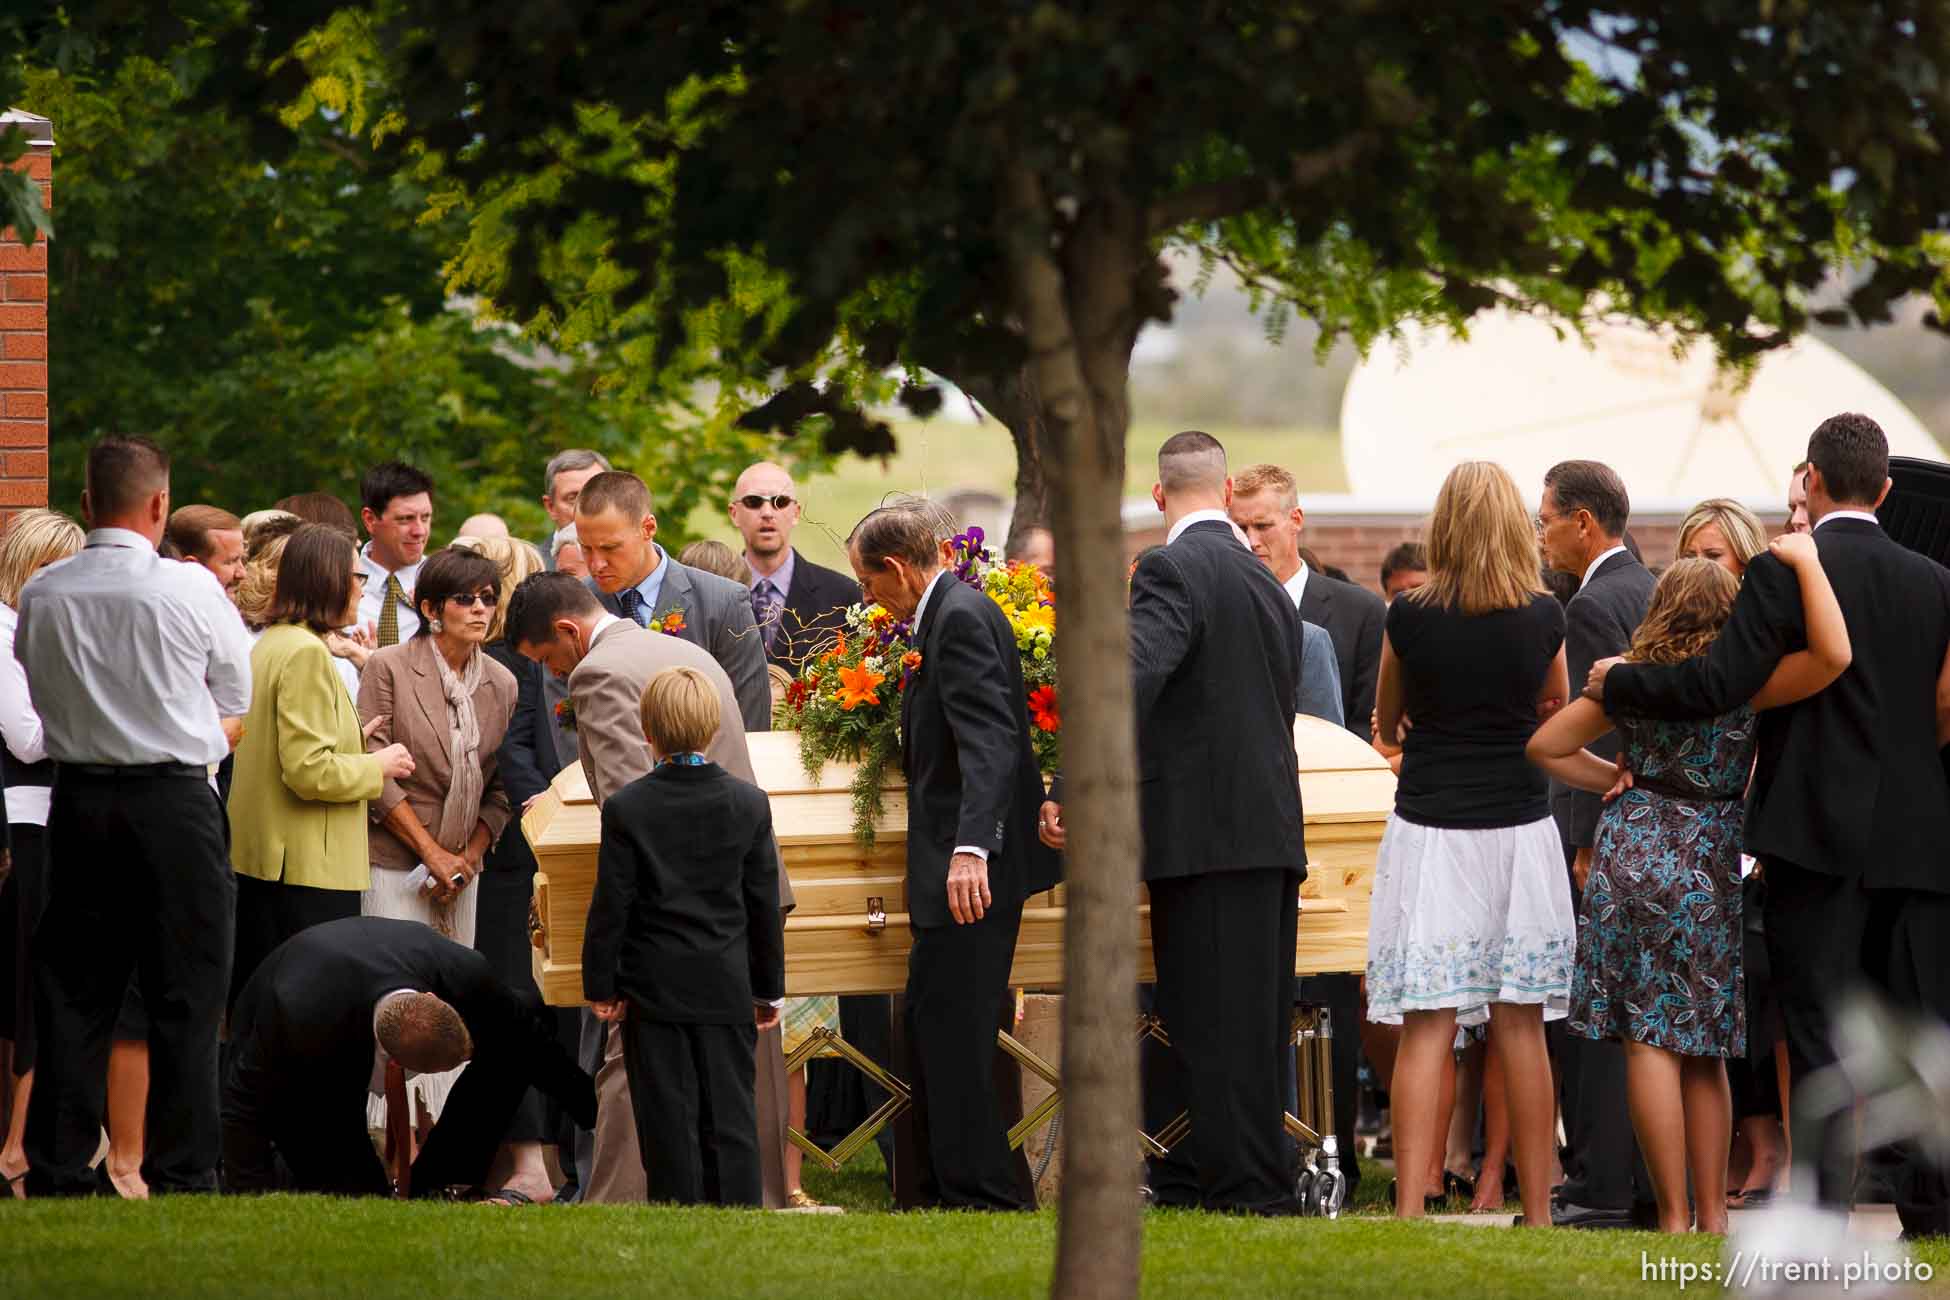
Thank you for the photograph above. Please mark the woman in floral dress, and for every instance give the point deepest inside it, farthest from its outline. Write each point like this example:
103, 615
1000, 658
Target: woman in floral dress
1658, 958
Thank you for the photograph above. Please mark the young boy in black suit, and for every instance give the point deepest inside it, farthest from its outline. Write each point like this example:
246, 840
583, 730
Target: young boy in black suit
684, 947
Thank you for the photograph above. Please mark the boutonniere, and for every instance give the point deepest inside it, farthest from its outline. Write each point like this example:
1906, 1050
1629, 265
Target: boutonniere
910, 665
671, 624
565, 715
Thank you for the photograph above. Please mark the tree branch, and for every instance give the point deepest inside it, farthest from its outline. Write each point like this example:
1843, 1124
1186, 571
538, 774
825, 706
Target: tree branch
1217, 200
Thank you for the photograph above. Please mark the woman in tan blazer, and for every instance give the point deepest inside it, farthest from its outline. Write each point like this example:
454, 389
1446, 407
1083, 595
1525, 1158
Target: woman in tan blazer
449, 704
303, 776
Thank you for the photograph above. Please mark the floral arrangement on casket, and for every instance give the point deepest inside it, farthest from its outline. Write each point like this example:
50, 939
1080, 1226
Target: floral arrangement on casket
845, 702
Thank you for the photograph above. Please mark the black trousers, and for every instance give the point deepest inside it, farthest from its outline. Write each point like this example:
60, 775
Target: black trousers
501, 936
139, 883
320, 1135
957, 993
271, 911
1224, 946
693, 1090
1606, 1170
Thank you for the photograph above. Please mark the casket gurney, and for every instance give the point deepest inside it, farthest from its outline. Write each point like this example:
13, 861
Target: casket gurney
849, 932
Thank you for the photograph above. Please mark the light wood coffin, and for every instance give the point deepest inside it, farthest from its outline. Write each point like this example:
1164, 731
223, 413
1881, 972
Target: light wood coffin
849, 933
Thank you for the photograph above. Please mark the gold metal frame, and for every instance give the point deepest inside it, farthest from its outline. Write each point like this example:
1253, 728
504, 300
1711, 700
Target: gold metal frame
824, 1042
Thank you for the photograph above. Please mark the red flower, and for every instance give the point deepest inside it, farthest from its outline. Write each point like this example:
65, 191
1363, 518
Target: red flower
1042, 709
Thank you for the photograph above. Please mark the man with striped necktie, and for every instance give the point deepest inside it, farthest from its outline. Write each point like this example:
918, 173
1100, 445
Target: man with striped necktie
398, 515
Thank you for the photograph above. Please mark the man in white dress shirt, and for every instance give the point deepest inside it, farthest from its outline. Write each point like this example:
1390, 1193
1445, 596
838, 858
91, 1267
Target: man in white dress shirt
398, 515
140, 671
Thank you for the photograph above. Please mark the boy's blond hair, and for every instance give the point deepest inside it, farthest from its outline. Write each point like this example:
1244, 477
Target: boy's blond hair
680, 711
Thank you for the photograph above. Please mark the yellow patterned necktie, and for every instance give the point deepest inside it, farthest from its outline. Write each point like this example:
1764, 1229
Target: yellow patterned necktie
395, 596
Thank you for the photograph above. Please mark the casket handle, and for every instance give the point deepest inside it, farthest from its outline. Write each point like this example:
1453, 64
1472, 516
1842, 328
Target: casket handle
876, 914
537, 910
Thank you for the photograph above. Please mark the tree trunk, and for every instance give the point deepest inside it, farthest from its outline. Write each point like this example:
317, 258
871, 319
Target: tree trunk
1079, 323
1012, 400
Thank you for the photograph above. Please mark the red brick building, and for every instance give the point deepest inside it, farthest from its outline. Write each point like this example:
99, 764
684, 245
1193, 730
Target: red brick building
23, 337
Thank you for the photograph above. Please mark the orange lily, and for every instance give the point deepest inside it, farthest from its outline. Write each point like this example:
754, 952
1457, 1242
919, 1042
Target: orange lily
857, 686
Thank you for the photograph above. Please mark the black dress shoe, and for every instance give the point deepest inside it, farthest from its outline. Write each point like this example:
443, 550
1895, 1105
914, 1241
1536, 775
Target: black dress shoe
1568, 1215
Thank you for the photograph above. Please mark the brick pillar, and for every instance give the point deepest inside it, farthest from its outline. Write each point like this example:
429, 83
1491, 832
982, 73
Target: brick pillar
23, 337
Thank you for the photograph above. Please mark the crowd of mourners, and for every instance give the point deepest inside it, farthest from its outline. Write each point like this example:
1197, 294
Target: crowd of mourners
268, 900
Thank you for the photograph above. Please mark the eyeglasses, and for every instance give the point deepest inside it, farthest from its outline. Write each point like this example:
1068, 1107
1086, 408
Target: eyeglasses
360, 576
485, 599
1543, 521
753, 501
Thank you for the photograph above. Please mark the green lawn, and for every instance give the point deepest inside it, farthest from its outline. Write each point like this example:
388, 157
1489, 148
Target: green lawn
303, 1246
939, 457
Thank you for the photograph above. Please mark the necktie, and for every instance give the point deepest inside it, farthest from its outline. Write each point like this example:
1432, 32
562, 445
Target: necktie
393, 597
766, 607
632, 600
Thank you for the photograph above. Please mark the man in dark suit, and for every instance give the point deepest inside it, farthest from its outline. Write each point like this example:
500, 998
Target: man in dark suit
1214, 646
1848, 811
1581, 525
798, 605
315, 1026
634, 579
973, 856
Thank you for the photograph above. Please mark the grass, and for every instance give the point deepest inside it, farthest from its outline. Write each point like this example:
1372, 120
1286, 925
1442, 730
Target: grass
295, 1246
941, 456
304, 1246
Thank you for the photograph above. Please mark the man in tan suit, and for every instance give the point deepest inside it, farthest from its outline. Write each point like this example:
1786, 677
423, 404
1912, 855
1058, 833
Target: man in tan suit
555, 620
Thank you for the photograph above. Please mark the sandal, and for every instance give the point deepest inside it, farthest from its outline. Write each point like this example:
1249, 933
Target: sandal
507, 1196
14, 1185
1751, 1198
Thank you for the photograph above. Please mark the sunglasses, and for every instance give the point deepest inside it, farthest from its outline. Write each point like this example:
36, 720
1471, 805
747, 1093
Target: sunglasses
753, 501
485, 599
359, 576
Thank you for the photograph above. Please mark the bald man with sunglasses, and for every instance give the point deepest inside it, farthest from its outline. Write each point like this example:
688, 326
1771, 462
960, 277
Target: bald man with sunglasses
797, 605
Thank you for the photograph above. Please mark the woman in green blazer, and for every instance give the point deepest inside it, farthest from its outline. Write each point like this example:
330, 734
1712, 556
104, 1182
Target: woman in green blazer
302, 778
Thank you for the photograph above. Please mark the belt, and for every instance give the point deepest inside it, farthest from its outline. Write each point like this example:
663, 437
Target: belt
131, 772
1679, 790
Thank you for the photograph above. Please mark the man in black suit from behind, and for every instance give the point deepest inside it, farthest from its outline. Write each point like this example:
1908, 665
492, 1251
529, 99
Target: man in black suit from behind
973, 856
798, 606
1848, 811
1581, 525
311, 1031
1215, 643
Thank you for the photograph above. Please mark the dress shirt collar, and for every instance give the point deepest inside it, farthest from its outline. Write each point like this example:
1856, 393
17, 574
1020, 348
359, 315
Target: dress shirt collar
1866, 516
602, 626
1296, 586
652, 587
1592, 568
1200, 517
780, 578
120, 537
922, 608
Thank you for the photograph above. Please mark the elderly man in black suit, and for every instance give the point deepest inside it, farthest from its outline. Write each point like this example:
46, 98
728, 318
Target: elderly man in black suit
1215, 644
1848, 811
634, 579
315, 1027
798, 605
1581, 525
973, 856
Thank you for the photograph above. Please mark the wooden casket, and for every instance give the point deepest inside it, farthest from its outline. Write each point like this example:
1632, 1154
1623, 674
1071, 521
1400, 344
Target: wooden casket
849, 932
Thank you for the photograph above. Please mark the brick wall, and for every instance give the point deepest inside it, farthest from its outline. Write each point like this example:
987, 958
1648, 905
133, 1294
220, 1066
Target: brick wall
23, 339
1352, 535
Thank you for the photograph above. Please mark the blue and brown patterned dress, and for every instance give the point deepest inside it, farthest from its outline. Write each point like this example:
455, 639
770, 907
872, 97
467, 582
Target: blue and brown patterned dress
1659, 924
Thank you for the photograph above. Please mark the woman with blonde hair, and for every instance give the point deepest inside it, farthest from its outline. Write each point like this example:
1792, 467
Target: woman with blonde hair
1471, 920
1659, 932
34, 540
1723, 531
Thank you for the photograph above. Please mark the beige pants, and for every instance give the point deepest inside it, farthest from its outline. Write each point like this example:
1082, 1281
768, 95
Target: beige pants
616, 1166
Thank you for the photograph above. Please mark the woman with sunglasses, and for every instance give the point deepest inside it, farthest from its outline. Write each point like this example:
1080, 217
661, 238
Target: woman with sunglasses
303, 774
439, 694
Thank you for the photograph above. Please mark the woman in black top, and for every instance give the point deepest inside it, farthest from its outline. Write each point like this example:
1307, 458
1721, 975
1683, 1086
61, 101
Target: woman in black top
1471, 919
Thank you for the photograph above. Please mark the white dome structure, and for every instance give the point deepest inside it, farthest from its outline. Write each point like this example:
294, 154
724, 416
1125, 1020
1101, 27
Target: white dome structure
1674, 427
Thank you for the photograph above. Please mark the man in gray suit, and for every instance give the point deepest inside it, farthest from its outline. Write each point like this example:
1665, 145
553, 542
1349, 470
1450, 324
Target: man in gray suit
555, 620
635, 579
1582, 527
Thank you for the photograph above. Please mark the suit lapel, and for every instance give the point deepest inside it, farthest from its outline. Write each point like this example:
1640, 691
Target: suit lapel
1315, 597
937, 606
431, 696
678, 593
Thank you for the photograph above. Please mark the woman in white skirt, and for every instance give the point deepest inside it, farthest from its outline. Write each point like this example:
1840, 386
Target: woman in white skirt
449, 704
1471, 919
